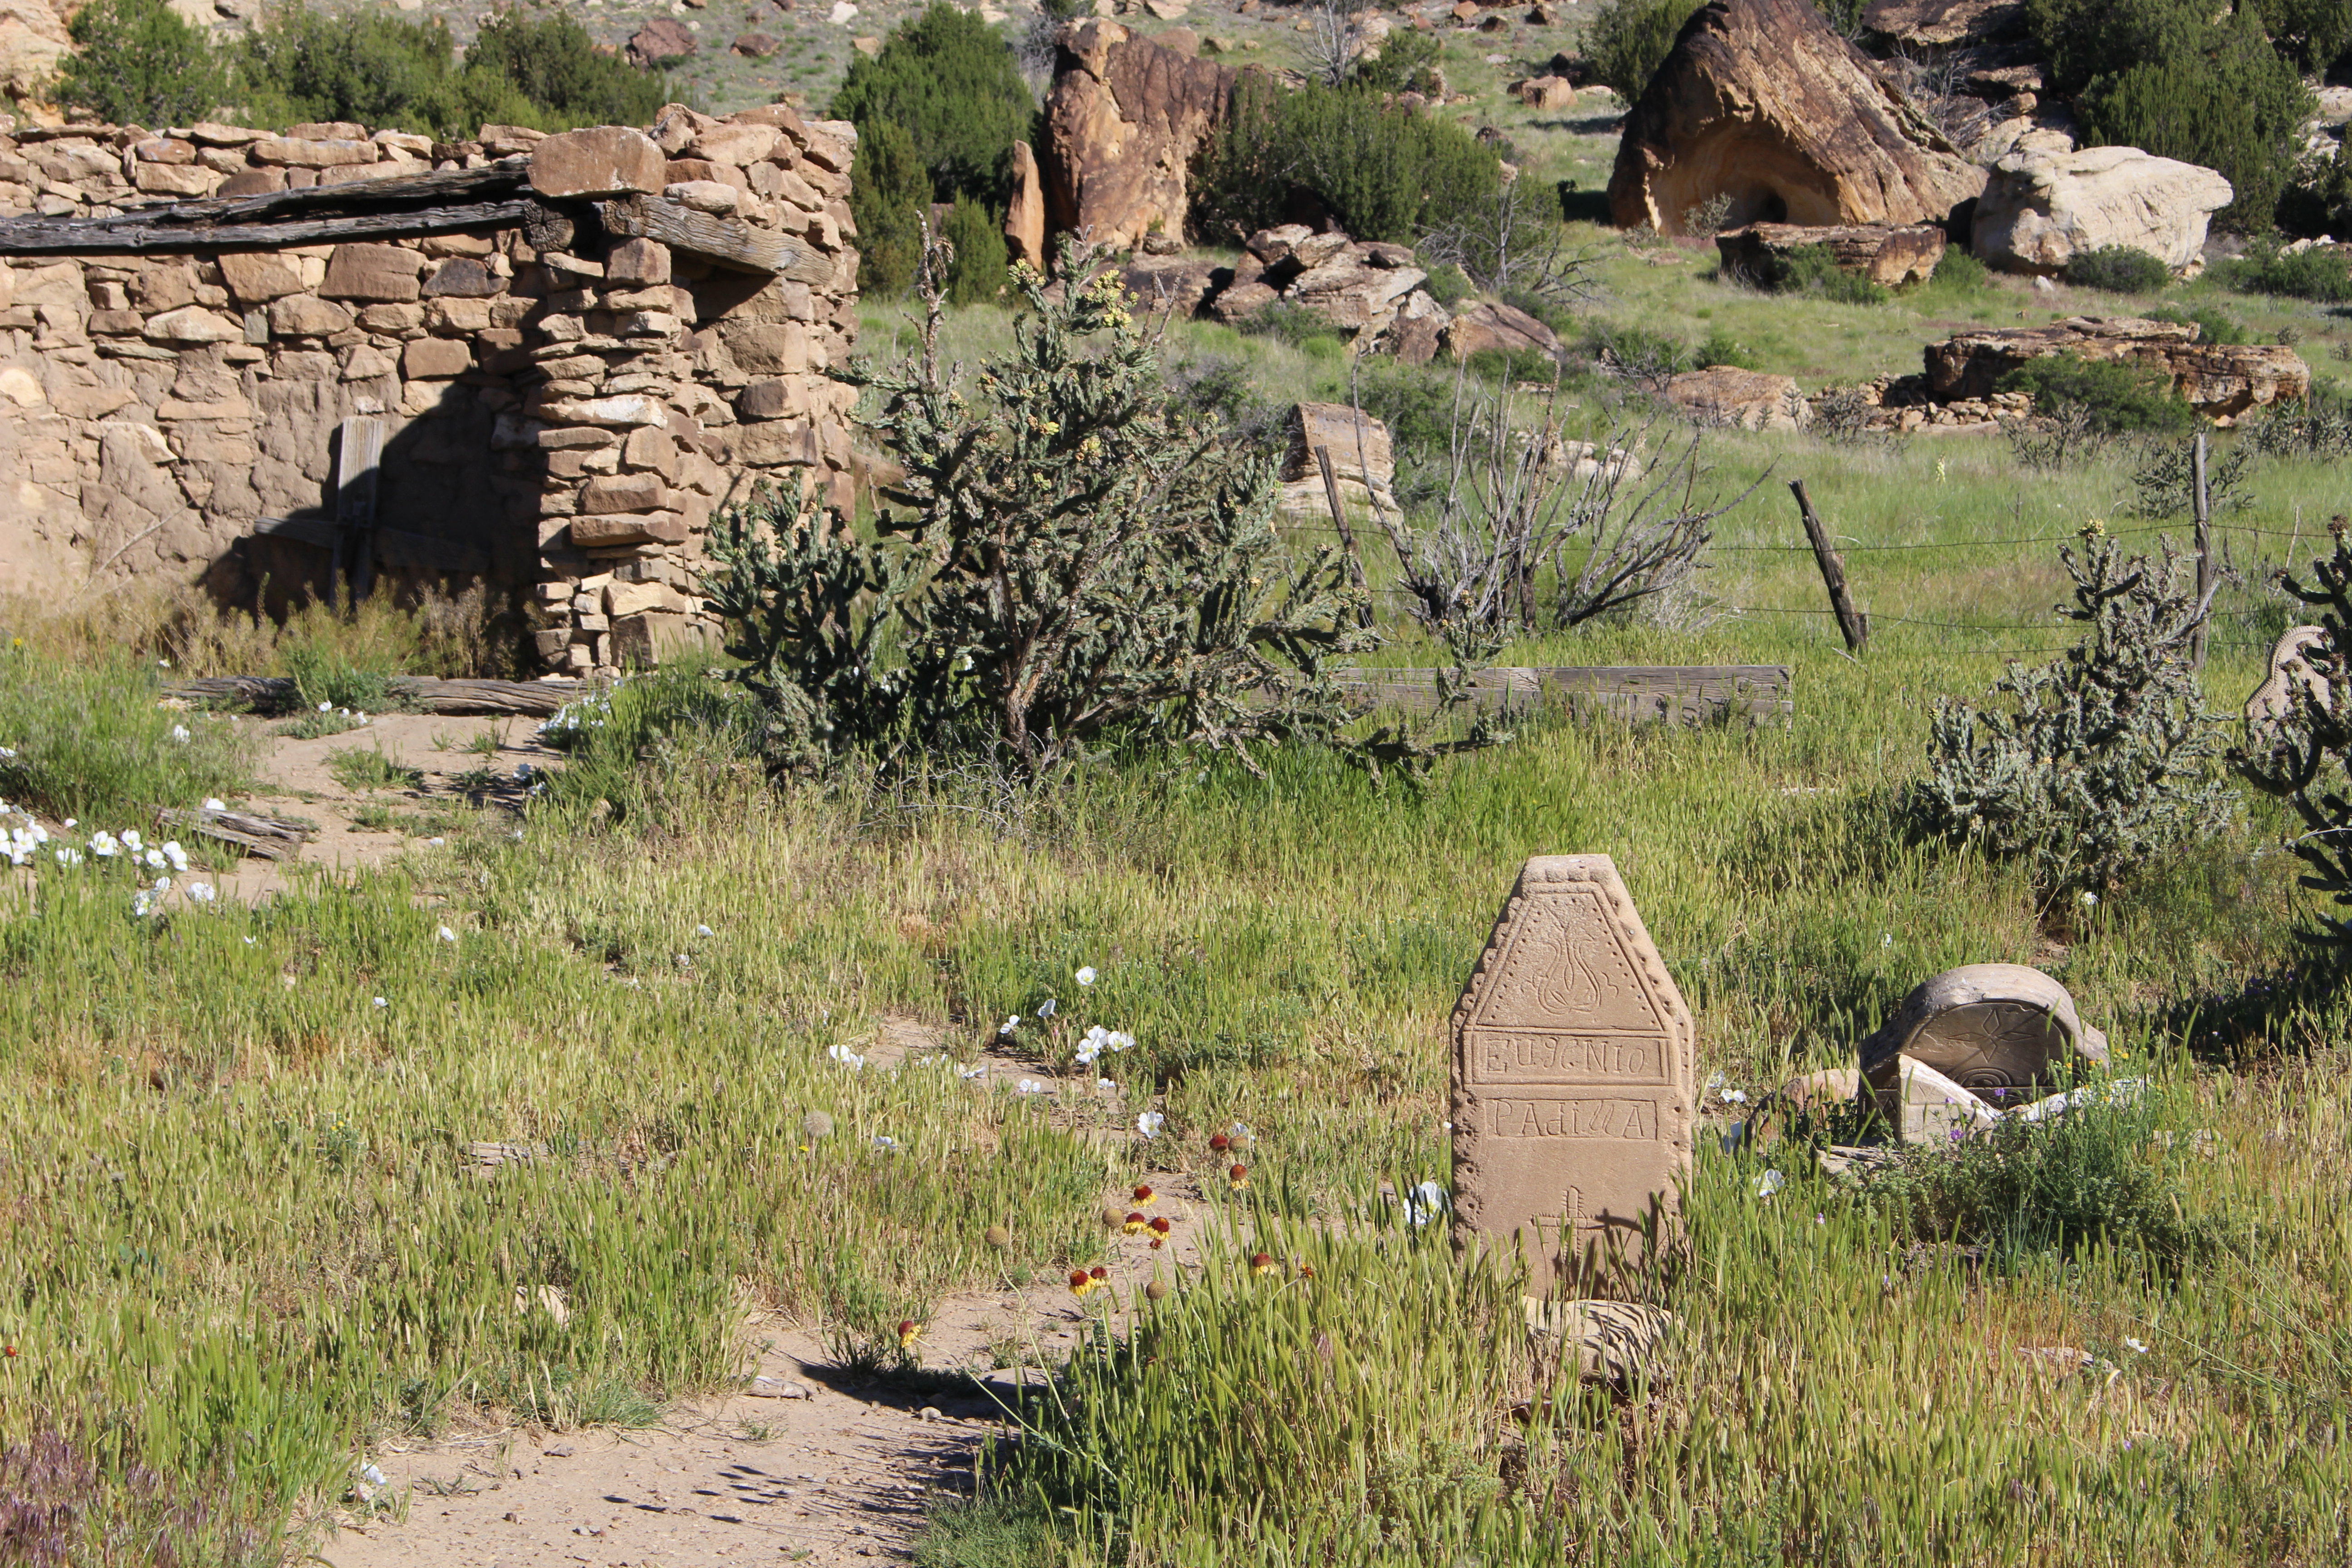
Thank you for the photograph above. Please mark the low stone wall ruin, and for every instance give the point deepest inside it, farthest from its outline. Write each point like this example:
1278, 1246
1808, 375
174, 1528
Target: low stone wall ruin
571, 348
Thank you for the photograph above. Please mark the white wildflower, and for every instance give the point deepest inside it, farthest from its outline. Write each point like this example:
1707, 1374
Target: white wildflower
176, 856
1767, 1184
1120, 1040
973, 1072
213, 803
1008, 1024
1106, 1085
382, 1002
445, 934
2090, 900
201, 892
1149, 1123
2138, 1345
180, 734
1735, 1096
1048, 1007
132, 841
103, 846
1030, 1086
884, 1142
1424, 1202
1087, 976
846, 1057
702, 931
67, 857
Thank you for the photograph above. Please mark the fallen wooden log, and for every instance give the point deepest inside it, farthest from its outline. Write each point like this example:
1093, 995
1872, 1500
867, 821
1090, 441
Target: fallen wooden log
264, 836
535, 699
1688, 694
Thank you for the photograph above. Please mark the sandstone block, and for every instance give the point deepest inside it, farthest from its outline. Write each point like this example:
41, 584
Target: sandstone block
735, 143
767, 348
1025, 216
307, 316
613, 528
174, 179
703, 195
371, 272
194, 324
463, 278
296, 152
640, 598
624, 493
256, 277
638, 261
652, 450
1572, 1073
603, 161
434, 359
2222, 380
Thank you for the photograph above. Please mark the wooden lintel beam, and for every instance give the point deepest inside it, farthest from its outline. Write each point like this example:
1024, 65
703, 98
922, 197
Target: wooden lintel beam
132, 234
725, 240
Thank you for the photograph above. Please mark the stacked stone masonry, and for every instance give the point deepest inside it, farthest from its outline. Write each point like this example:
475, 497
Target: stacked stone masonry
563, 416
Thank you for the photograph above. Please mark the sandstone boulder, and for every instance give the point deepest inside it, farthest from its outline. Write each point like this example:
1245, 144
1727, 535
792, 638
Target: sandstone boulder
2041, 209
1122, 124
1886, 256
32, 40
2222, 380
1490, 326
1024, 214
1939, 23
2272, 699
659, 41
1361, 459
1761, 101
1751, 399
1545, 92
1170, 283
1353, 295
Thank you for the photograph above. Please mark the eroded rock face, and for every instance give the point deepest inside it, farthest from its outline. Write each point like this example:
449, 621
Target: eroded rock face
1024, 214
2222, 380
1761, 101
1123, 121
1751, 399
1888, 256
660, 40
1997, 1030
2041, 207
33, 41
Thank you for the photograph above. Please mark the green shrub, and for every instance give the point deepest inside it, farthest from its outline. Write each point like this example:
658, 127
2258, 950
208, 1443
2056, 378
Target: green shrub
661, 716
2092, 765
2090, 1177
385, 72
1077, 568
1510, 366
139, 64
2321, 201
2231, 105
1960, 271
87, 738
950, 82
1289, 323
2120, 397
1448, 284
1627, 40
889, 196
2119, 269
1384, 170
2313, 34
1722, 348
982, 269
2267, 268
1814, 271
2213, 324
1406, 62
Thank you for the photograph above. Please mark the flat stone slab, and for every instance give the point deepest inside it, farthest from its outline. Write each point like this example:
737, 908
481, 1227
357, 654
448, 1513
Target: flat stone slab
1573, 1061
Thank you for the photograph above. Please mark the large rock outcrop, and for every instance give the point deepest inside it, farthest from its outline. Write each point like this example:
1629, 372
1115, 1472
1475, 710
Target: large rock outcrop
1761, 102
2222, 380
1124, 118
2041, 208
1942, 23
1887, 257
32, 40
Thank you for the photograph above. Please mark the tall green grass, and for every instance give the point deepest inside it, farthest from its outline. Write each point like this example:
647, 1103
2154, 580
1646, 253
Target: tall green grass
91, 739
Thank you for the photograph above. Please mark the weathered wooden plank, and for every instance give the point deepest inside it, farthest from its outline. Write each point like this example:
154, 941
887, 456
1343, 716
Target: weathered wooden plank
725, 240
519, 698
1686, 694
263, 835
123, 236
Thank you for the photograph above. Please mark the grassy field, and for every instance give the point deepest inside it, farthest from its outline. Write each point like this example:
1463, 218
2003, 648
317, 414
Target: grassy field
247, 1234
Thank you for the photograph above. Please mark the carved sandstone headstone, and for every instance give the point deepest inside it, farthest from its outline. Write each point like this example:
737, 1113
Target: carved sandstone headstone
1572, 1068
1996, 1029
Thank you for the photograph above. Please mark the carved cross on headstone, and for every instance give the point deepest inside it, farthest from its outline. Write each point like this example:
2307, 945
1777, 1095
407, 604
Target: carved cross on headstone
1572, 1071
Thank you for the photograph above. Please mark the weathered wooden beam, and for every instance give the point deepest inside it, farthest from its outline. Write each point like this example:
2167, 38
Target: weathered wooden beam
263, 835
535, 699
720, 239
1681, 693
148, 237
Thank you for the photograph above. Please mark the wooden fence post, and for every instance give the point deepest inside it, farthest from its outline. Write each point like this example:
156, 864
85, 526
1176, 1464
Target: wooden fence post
1856, 625
2204, 511
1346, 534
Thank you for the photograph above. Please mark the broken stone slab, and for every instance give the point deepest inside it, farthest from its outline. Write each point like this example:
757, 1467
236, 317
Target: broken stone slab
1361, 459
1572, 1078
1614, 1342
1724, 395
1761, 102
2220, 380
1924, 1106
2041, 208
1887, 256
2272, 699
1486, 325
2000, 1031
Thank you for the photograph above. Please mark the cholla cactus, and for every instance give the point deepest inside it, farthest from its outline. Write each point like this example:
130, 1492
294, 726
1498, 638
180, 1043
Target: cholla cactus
2305, 754
1069, 562
2104, 757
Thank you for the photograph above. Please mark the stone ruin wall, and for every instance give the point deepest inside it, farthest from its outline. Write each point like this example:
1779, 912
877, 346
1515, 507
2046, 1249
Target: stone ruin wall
559, 422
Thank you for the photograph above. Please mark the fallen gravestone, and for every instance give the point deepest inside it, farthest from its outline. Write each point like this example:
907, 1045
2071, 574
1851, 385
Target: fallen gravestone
1572, 1069
2003, 1033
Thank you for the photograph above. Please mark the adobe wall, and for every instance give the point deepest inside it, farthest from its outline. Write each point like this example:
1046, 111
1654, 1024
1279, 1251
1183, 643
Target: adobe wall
560, 420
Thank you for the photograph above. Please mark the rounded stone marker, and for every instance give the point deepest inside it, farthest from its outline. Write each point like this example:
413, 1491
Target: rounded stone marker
1998, 1030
